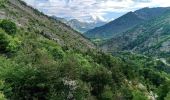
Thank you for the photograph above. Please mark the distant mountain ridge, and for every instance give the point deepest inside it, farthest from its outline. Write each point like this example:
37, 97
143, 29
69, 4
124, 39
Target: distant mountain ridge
81, 26
151, 38
125, 22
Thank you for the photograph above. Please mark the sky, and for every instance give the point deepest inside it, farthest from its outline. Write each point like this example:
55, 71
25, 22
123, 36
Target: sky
92, 10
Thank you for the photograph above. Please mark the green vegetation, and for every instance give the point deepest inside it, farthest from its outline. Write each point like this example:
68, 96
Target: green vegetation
150, 38
42, 59
139, 96
125, 22
98, 42
41, 69
7, 42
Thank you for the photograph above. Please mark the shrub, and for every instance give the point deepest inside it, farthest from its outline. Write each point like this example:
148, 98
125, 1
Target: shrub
2, 3
8, 43
8, 26
57, 52
137, 95
13, 44
100, 78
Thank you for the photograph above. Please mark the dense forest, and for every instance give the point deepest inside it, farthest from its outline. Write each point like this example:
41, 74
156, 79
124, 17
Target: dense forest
34, 66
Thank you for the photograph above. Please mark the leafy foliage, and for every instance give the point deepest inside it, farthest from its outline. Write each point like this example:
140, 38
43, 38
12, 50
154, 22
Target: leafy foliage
8, 43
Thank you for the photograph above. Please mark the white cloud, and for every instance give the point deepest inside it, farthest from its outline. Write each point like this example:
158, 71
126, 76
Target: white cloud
88, 9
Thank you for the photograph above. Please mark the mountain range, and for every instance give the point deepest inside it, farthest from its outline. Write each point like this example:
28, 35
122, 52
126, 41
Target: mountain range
81, 27
124, 23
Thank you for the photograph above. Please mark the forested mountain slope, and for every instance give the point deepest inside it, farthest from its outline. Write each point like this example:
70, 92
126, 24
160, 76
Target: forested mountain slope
41, 59
124, 23
152, 37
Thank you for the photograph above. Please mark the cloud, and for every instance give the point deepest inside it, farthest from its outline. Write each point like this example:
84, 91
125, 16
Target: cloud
92, 9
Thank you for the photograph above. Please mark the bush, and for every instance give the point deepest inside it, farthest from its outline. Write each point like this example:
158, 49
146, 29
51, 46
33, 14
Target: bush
8, 43
56, 52
99, 79
137, 95
13, 44
8, 26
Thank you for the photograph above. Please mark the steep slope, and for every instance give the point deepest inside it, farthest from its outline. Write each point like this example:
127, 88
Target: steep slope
124, 23
152, 37
28, 17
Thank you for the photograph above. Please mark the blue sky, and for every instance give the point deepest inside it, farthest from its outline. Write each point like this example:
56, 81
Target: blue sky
91, 10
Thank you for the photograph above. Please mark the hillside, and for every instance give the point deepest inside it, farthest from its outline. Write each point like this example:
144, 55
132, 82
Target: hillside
124, 23
28, 17
44, 59
152, 37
